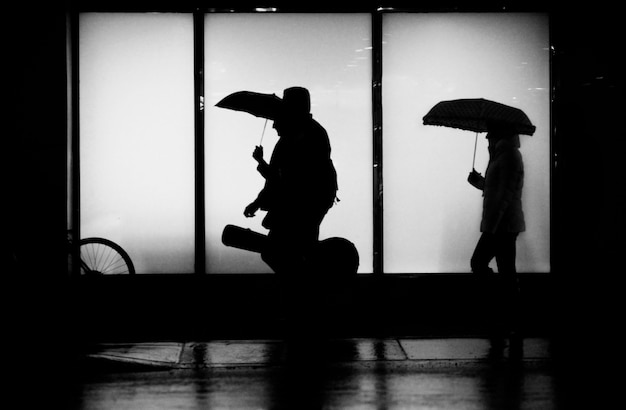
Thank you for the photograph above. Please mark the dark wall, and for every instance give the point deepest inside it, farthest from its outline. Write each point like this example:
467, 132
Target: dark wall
33, 250
588, 109
589, 208
35, 141
588, 204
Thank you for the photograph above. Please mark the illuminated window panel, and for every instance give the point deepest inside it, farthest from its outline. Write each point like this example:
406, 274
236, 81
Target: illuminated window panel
431, 214
330, 54
137, 136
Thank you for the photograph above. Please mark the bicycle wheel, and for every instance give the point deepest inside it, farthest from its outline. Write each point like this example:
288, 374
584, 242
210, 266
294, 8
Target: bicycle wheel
101, 256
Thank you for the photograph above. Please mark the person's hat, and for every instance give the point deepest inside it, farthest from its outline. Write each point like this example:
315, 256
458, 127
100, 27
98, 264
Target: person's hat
297, 100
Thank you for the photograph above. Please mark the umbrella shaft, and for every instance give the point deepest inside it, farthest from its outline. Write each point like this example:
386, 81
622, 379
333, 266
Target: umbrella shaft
474, 158
263, 134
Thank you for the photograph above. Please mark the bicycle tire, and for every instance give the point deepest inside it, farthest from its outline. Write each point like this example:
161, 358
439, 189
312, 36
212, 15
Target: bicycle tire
99, 256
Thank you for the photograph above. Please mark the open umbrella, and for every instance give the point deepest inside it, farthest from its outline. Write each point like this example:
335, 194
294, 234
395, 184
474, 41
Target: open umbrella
257, 104
474, 114
261, 105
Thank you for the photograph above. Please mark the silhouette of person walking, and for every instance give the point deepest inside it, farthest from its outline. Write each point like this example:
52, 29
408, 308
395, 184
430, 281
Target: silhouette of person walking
300, 185
502, 215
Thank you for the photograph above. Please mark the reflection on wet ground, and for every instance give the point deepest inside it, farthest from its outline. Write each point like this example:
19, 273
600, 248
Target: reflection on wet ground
228, 353
468, 373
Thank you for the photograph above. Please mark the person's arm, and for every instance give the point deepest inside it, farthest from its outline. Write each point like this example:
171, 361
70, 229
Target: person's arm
251, 209
262, 201
264, 169
263, 166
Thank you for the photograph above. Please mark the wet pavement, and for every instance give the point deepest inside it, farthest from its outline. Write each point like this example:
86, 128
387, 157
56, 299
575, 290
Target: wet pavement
395, 373
228, 353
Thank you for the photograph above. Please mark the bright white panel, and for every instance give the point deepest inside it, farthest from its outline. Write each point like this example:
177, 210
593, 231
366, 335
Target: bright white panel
431, 214
136, 133
330, 54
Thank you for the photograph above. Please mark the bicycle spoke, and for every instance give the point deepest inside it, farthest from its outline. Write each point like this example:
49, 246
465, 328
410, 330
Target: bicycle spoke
114, 264
118, 267
106, 262
86, 257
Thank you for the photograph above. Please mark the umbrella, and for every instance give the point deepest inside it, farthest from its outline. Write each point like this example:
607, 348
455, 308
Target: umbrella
258, 104
261, 105
474, 114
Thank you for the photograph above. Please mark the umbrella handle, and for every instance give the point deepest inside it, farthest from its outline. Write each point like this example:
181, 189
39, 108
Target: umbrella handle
474, 158
263, 134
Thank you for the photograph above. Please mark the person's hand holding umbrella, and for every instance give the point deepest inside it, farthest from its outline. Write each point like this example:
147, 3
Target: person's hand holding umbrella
258, 154
263, 166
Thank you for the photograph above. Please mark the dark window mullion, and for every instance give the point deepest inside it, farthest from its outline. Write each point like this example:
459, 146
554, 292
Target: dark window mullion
198, 53
377, 122
75, 143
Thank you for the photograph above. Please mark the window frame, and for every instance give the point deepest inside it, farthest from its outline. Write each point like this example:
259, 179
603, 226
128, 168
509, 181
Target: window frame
377, 15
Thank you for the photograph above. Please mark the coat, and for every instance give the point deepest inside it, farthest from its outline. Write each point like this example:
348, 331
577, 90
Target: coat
502, 192
301, 181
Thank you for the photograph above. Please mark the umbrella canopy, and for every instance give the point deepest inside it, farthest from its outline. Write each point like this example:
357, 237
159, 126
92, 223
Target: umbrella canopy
258, 104
473, 114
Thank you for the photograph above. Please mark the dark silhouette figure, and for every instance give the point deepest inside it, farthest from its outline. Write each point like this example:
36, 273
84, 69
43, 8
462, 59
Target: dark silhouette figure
502, 216
300, 185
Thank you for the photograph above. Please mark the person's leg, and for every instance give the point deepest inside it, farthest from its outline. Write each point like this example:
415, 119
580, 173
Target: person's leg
283, 252
506, 252
483, 254
505, 259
